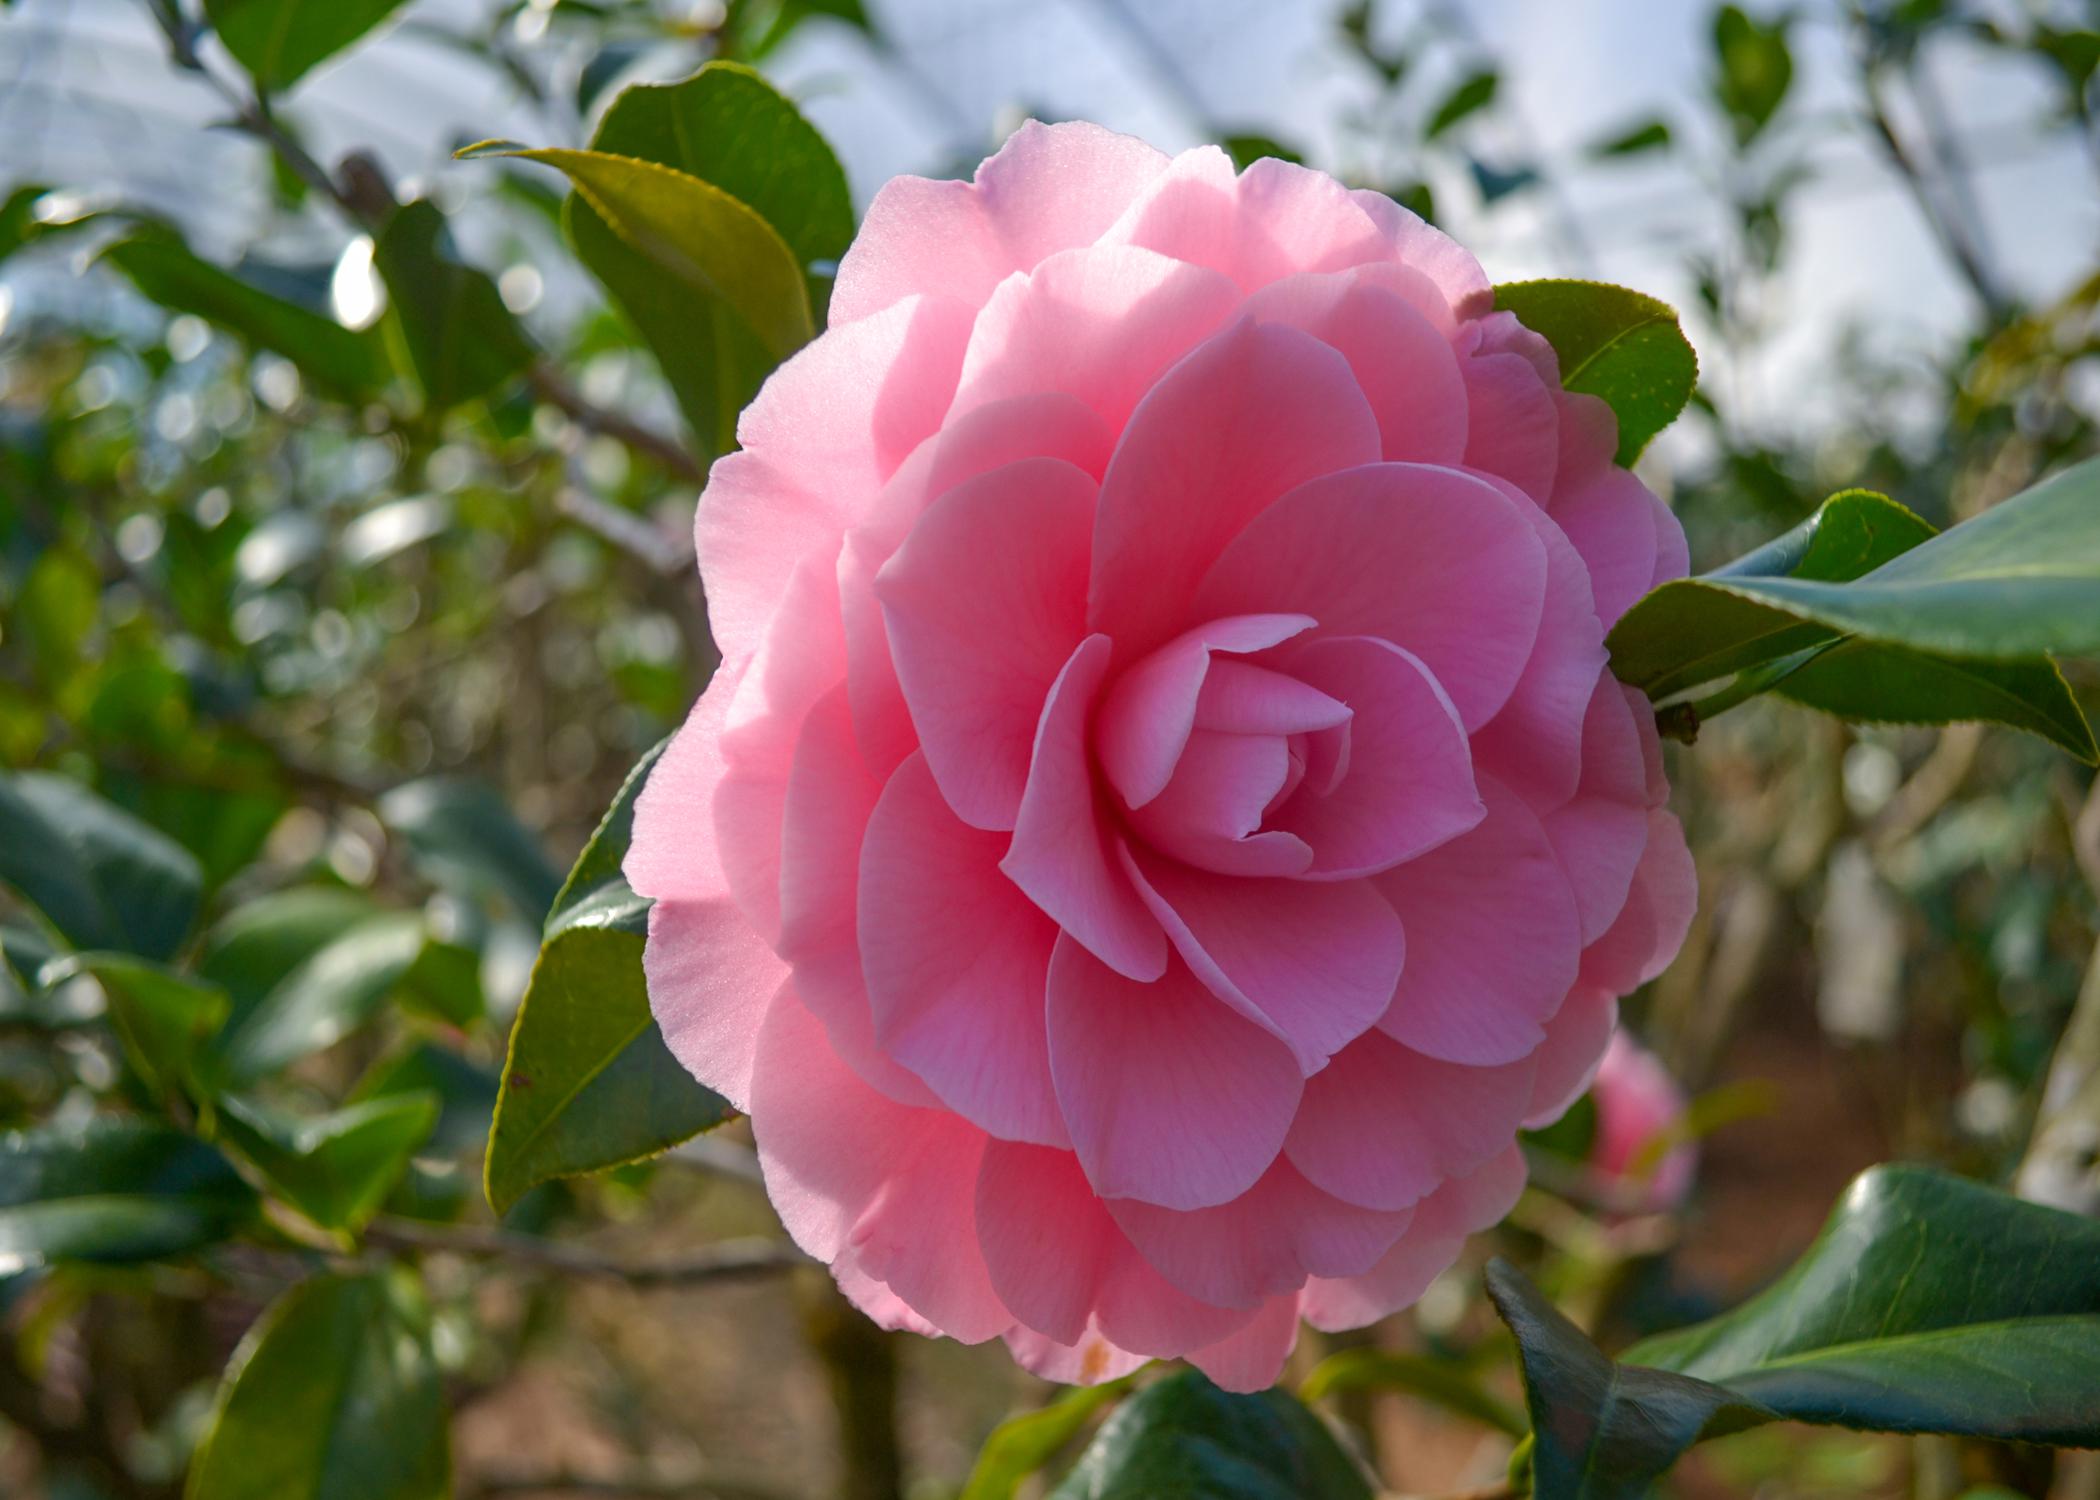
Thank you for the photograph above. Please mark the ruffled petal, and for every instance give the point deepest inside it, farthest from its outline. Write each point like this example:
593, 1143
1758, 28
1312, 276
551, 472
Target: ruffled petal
1650, 928
1420, 246
1568, 1060
1599, 834
1251, 1359
1512, 388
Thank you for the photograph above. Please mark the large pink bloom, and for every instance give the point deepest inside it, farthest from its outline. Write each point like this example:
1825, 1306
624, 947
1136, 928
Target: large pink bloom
1162, 822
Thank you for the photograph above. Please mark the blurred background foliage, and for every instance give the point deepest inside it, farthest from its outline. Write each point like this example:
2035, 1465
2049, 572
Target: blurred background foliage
345, 571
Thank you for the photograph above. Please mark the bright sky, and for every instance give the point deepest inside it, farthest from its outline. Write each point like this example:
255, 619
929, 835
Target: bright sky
87, 100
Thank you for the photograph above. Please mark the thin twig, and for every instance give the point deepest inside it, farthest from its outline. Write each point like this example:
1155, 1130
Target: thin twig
548, 384
731, 1260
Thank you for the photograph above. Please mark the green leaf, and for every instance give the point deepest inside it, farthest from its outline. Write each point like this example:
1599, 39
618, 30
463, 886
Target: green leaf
714, 243
1615, 344
333, 1395
343, 361
756, 27
588, 1082
251, 950
1756, 67
162, 1019
325, 998
461, 340
112, 1189
1945, 626
278, 41
337, 1168
725, 125
1022, 1445
100, 876
1928, 1304
1443, 1382
1473, 93
55, 612
1245, 150
462, 832
1185, 1437
1649, 135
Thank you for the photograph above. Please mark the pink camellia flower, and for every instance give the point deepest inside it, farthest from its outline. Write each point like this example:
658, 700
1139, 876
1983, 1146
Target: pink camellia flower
1637, 1103
1162, 822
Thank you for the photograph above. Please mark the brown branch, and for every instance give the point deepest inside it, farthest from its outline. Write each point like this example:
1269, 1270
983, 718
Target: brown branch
731, 1260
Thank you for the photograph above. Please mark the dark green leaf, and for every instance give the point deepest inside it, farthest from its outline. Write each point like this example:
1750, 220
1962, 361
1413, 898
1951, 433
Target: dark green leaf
1615, 344
461, 339
344, 362
333, 1395
756, 27
1021, 1446
1183, 1437
1928, 1304
251, 950
462, 832
112, 1188
588, 1082
100, 876
336, 1168
466, 1091
1649, 135
162, 1019
1475, 92
1947, 626
1245, 150
1755, 69
18, 221
278, 41
325, 998
714, 243
1443, 1382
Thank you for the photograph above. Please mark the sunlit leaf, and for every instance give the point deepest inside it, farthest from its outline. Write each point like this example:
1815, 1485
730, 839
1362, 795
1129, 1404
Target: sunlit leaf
279, 41
1618, 345
461, 339
334, 1168
101, 877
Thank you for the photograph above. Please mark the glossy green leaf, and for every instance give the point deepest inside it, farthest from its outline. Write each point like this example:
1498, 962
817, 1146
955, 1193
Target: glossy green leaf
1022, 1445
725, 125
1755, 69
588, 1082
757, 27
1928, 1304
1635, 140
1946, 626
333, 1395
162, 1019
278, 41
343, 361
335, 991
1473, 93
711, 241
112, 1188
1185, 1437
1618, 345
251, 950
463, 833
101, 877
1427, 1377
334, 1168
462, 341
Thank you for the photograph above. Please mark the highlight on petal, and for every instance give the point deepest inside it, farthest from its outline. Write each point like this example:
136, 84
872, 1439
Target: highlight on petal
983, 606
1171, 1096
1063, 852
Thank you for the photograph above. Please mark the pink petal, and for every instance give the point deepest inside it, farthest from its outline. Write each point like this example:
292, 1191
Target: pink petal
1382, 1124
1600, 833
1062, 853
1313, 963
1170, 1095
1249, 415
1436, 561
1251, 1359
1209, 813
956, 961
673, 851
1401, 360
1628, 537
1145, 720
1493, 939
984, 605
1274, 219
1263, 1243
1462, 1206
869, 1185
1422, 247
1409, 785
711, 979
830, 796
1241, 699
1099, 323
1574, 1048
1512, 386
1049, 188
819, 442
1091, 1361
1658, 912
1068, 1272
1535, 742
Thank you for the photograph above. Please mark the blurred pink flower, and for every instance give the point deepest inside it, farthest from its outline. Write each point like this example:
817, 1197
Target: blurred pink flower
1637, 1101
1162, 822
